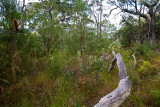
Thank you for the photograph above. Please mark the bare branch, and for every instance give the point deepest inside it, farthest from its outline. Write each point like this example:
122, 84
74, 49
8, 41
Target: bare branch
51, 7
136, 13
155, 3
135, 2
112, 64
117, 14
63, 19
157, 8
113, 10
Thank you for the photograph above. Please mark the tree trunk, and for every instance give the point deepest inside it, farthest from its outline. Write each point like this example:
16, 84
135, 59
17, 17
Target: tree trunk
139, 29
100, 25
81, 44
152, 32
23, 11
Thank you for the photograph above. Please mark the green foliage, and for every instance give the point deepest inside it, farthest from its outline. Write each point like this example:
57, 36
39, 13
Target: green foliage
9, 10
156, 95
97, 64
55, 63
146, 69
115, 46
109, 29
34, 45
72, 45
67, 93
12, 42
144, 48
126, 55
127, 32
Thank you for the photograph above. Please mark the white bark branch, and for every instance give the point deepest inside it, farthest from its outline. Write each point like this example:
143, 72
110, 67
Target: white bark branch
135, 61
116, 97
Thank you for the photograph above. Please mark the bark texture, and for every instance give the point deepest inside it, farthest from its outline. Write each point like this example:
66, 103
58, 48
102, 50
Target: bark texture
116, 97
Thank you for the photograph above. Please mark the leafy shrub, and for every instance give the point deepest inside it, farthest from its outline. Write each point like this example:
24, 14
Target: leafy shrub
55, 63
156, 93
156, 61
126, 55
34, 44
146, 69
97, 63
156, 96
115, 46
143, 48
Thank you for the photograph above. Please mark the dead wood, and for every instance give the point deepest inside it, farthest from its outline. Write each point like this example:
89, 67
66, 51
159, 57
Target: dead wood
116, 97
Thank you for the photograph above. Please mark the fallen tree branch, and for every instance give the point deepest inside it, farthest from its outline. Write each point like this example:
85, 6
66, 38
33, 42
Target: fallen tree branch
116, 97
135, 62
112, 63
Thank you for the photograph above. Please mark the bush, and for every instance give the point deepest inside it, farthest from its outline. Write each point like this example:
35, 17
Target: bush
126, 55
156, 96
143, 48
115, 46
157, 46
55, 63
146, 69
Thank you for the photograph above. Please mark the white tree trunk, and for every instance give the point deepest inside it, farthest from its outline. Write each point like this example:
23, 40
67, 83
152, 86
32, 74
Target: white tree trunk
116, 97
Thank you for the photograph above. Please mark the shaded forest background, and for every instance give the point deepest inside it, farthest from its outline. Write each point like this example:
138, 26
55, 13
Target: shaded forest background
57, 53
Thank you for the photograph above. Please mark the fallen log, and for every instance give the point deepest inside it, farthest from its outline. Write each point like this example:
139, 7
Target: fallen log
116, 97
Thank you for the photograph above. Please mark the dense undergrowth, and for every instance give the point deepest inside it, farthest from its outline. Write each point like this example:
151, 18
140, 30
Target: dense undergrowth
58, 80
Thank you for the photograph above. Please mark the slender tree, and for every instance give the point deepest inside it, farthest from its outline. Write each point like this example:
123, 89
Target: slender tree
98, 14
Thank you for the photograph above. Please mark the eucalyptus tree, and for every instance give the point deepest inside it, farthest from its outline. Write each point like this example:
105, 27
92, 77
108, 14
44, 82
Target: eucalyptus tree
133, 7
98, 9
